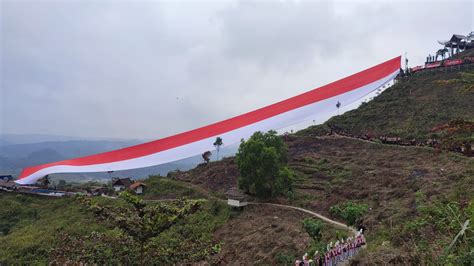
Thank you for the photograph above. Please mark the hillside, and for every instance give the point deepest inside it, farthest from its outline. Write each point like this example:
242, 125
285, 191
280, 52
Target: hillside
32, 227
417, 197
413, 192
410, 108
390, 179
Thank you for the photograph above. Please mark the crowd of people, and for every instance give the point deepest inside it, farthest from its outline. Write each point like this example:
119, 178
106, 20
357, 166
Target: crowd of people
335, 253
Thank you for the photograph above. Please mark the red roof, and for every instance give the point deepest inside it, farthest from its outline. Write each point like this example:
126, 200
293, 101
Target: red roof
136, 184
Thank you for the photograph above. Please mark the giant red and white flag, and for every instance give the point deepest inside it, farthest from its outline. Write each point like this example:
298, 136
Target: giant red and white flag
300, 108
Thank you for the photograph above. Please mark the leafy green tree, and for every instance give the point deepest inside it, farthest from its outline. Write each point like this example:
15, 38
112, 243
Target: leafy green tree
313, 228
218, 143
262, 163
136, 223
349, 211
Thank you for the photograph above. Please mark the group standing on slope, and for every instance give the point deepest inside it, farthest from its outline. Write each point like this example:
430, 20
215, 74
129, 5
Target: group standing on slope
336, 253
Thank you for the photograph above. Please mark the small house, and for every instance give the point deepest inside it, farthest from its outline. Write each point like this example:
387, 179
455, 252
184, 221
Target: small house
120, 184
97, 191
7, 185
236, 198
138, 187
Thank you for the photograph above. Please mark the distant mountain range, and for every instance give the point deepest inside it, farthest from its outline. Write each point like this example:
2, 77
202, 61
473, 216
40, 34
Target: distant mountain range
19, 151
7, 139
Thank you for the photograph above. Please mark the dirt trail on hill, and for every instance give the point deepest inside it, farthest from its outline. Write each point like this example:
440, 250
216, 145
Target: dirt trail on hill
317, 215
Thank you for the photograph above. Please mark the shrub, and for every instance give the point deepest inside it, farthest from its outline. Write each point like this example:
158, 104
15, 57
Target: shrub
285, 258
313, 228
349, 211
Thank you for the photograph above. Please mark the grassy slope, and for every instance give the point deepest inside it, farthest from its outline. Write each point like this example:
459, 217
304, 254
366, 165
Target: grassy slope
409, 109
31, 226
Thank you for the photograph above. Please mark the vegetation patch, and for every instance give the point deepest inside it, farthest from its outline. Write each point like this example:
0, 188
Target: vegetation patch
350, 212
446, 221
158, 187
262, 161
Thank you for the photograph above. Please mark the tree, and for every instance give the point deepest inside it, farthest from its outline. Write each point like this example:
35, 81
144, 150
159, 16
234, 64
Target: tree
262, 163
137, 222
206, 156
218, 143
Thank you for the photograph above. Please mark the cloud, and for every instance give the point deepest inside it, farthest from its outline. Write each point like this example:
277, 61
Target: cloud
151, 69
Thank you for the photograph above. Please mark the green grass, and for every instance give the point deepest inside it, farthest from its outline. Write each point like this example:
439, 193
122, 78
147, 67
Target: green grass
34, 223
158, 187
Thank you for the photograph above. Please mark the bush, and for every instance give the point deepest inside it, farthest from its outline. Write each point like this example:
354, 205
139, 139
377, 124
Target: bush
349, 211
262, 163
285, 258
313, 228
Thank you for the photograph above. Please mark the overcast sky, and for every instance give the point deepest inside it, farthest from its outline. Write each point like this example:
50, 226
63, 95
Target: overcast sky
148, 69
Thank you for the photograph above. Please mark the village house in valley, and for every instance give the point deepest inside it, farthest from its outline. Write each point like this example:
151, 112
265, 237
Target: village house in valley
120, 184
137, 187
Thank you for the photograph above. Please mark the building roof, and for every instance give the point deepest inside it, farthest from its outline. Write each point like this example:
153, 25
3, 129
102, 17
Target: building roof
457, 38
454, 40
126, 182
7, 183
235, 193
137, 184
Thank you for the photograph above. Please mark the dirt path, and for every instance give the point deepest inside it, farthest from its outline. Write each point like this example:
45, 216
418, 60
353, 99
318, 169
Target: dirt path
317, 215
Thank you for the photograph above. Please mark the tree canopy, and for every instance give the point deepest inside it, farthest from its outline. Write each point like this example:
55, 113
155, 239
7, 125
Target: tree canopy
262, 161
